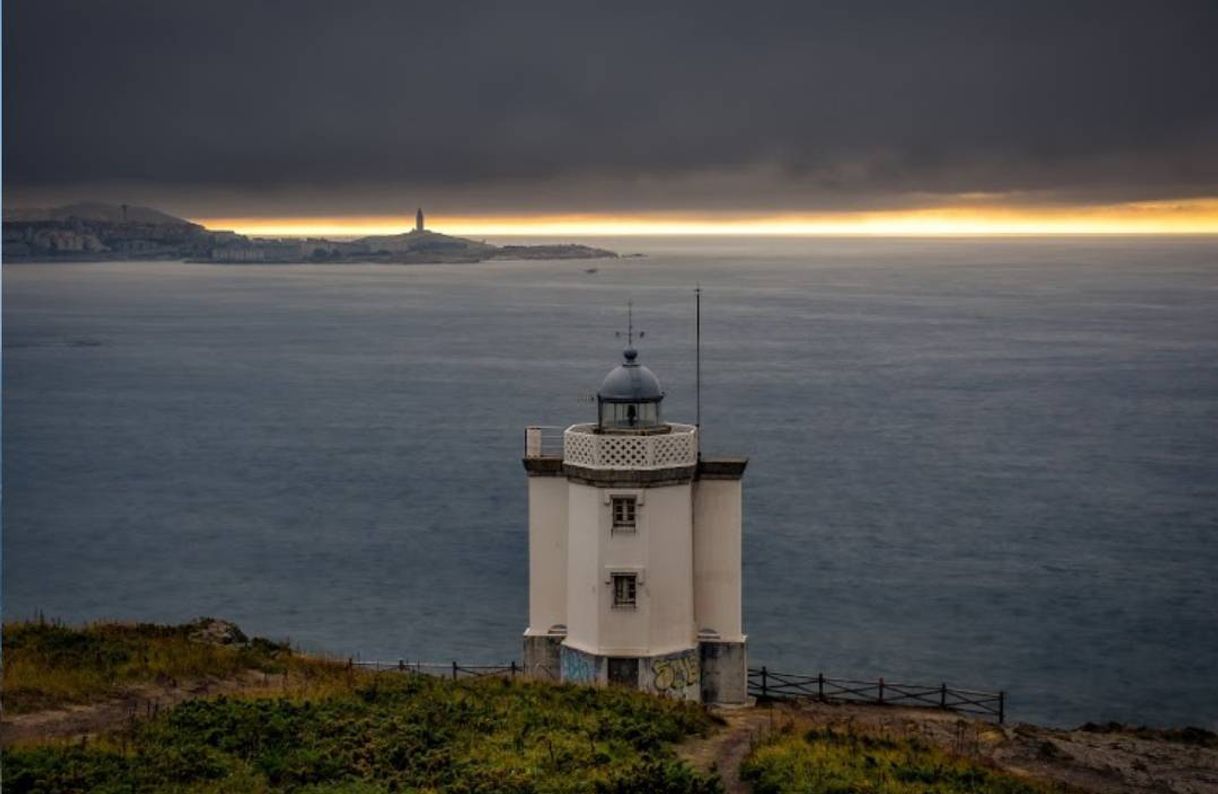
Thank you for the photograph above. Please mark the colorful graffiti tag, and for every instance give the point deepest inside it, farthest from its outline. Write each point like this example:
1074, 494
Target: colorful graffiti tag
676, 675
578, 668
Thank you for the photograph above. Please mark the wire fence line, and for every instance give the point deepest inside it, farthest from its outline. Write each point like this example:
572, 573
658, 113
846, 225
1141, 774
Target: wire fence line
770, 685
452, 670
764, 684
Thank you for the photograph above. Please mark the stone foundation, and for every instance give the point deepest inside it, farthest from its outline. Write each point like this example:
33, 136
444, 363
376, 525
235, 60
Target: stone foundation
725, 672
582, 668
714, 672
676, 675
542, 658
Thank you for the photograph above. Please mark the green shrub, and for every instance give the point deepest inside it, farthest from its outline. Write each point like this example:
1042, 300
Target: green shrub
390, 732
47, 665
836, 762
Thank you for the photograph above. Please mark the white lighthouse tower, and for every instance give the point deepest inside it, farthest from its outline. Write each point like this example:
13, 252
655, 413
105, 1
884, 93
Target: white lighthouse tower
635, 551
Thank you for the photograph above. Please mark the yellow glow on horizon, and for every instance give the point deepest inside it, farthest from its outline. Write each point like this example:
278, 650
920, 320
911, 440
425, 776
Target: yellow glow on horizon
1189, 216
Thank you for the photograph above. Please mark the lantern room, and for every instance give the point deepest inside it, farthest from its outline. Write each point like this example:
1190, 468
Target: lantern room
629, 398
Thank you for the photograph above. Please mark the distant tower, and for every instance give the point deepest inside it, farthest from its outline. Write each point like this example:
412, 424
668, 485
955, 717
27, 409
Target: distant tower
635, 551
418, 220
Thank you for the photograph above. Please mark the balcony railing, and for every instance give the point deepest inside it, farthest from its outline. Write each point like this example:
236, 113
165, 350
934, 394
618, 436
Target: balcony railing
583, 446
543, 441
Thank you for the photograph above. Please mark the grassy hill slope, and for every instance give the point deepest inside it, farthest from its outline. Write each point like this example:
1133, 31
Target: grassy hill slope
341, 731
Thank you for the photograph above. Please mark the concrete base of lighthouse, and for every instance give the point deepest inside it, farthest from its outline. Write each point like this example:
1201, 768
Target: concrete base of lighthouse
713, 672
542, 656
676, 675
725, 672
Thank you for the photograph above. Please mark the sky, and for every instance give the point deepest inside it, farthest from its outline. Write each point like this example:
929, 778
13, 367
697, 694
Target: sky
596, 117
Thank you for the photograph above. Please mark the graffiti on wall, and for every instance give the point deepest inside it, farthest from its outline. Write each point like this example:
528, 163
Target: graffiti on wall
678, 676
578, 668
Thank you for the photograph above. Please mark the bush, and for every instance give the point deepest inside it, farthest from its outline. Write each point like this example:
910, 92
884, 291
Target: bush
48, 665
390, 732
824, 761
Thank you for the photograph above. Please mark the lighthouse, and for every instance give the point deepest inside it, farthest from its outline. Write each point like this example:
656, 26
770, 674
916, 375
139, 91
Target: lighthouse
635, 550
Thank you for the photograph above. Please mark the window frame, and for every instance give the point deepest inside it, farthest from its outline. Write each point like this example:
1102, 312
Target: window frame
640, 415
625, 524
633, 579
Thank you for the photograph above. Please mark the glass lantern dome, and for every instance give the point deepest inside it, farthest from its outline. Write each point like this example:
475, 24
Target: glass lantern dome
629, 397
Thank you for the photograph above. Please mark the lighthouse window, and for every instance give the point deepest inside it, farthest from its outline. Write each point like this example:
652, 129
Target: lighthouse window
624, 512
630, 415
625, 589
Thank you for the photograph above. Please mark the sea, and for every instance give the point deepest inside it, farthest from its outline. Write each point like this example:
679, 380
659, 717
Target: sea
986, 462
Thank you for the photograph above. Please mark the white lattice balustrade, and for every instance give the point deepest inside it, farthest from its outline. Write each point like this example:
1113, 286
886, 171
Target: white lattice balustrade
583, 446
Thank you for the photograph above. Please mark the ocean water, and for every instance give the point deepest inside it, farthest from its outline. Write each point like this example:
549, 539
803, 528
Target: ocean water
991, 463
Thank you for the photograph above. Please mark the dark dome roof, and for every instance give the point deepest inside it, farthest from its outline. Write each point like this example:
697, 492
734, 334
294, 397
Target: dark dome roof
631, 382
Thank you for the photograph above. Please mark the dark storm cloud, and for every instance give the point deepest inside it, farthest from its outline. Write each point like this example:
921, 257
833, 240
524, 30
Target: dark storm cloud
564, 104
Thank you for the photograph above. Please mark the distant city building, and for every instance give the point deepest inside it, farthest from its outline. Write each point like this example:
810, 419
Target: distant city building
418, 220
635, 551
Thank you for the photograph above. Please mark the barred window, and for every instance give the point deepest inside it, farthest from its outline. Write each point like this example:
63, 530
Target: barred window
624, 512
625, 589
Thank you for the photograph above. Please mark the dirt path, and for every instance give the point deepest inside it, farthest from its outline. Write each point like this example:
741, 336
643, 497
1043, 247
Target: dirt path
724, 749
1106, 760
138, 702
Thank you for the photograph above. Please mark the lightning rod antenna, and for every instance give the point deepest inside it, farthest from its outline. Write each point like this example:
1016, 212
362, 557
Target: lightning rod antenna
698, 362
630, 326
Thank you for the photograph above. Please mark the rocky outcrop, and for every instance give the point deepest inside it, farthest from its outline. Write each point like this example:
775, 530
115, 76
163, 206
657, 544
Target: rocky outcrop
216, 632
562, 251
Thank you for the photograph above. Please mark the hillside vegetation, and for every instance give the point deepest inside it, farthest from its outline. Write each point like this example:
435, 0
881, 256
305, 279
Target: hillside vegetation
827, 761
348, 732
47, 665
389, 733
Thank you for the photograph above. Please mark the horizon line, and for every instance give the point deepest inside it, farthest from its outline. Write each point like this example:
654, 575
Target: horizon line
1192, 217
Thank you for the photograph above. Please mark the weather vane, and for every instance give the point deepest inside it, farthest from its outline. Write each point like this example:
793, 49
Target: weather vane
629, 326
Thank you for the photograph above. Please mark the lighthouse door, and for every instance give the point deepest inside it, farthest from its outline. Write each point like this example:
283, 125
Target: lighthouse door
624, 672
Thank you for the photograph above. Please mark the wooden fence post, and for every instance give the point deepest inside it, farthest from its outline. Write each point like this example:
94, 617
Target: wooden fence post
454, 671
943, 696
401, 665
881, 691
1002, 706
820, 686
764, 683
513, 669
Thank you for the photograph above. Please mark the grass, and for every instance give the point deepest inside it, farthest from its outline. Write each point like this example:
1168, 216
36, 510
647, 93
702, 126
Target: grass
826, 761
340, 730
47, 665
389, 733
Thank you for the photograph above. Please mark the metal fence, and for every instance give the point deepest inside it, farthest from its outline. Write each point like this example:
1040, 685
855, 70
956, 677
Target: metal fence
451, 670
767, 684
764, 684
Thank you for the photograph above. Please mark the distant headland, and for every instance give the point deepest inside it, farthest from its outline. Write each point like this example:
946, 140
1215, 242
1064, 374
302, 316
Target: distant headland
94, 232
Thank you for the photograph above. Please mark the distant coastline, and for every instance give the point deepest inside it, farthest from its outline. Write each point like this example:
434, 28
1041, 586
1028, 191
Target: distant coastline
90, 232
